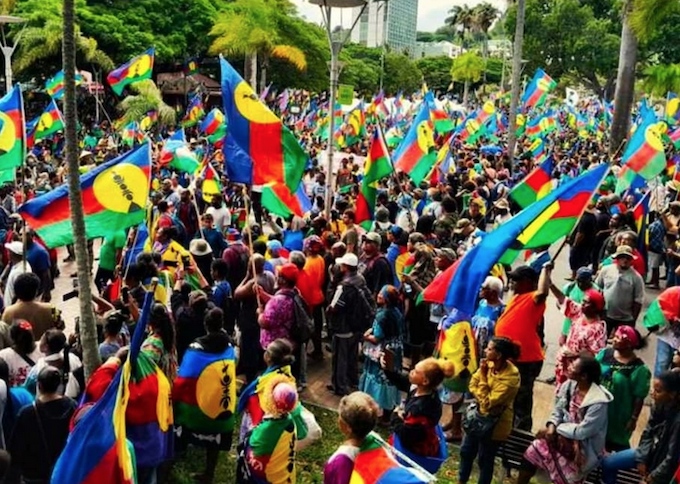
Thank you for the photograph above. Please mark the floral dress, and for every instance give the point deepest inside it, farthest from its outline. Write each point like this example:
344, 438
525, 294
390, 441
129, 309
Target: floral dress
584, 335
559, 460
389, 329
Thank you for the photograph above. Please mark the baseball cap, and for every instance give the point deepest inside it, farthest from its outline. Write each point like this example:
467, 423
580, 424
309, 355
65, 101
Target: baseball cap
274, 245
15, 247
373, 237
584, 274
523, 272
348, 260
623, 251
461, 225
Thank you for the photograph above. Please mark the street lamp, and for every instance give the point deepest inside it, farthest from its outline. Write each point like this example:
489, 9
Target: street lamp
336, 45
8, 50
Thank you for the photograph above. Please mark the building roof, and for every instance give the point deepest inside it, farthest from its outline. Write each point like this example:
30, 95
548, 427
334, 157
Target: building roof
175, 83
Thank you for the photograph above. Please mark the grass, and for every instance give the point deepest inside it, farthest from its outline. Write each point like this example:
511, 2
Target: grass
310, 461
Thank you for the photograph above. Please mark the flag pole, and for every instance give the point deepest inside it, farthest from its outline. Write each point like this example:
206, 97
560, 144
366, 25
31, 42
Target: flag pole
411, 463
246, 201
24, 240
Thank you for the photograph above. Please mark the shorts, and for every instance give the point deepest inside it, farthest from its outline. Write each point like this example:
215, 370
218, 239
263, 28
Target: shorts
655, 260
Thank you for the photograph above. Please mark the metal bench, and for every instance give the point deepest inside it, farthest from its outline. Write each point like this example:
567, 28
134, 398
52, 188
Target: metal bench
513, 449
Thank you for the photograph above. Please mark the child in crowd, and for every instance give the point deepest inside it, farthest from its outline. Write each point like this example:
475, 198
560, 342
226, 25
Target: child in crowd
357, 416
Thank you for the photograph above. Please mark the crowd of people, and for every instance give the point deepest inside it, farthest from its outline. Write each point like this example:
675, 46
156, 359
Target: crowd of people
286, 294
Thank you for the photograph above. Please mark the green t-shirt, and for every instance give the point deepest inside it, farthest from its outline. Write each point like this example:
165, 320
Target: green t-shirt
627, 382
112, 244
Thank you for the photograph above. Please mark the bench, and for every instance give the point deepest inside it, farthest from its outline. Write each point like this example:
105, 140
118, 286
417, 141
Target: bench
513, 449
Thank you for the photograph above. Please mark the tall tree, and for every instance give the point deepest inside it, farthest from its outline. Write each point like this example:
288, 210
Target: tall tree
461, 19
484, 15
516, 74
467, 68
661, 79
251, 28
88, 329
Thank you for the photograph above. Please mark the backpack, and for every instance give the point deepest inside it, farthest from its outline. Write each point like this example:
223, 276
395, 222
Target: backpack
303, 324
362, 312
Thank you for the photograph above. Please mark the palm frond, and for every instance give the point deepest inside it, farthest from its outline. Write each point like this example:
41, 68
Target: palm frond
291, 54
646, 15
147, 98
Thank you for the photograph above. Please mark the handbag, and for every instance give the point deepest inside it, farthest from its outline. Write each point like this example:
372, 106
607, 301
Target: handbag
477, 425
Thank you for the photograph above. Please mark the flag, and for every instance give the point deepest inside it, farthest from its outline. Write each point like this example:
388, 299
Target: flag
204, 394
672, 111
441, 121
177, 154
674, 136
416, 154
131, 134
191, 67
377, 166
521, 121
137, 69
537, 149
214, 126
541, 223
374, 465
640, 212
194, 112
663, 311
55, 85
537, 91
644, 153
541, 126
265, 92
270, 155
211, 185
50, 122
12, 148
535, 185
114, 196
148, 120
97, 450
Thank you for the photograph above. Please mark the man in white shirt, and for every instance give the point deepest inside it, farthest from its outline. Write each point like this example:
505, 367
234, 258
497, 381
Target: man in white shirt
221, 214
17, 266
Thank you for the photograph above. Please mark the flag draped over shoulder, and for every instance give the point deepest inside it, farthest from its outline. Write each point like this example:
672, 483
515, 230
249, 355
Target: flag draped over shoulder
535, 185
114, 196
377, 166
137, 69
268, 154
97, 450
205, 393
374, 465
416, 154
541, 223
664, 309
644, 155
12, 147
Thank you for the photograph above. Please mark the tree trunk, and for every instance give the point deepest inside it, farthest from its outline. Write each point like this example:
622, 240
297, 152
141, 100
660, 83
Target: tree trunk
625, 84
466, 92
263, 73
252, 78
516, 74
88, 330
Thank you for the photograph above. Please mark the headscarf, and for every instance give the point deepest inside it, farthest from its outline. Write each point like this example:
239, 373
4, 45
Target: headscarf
628, 333
596, 298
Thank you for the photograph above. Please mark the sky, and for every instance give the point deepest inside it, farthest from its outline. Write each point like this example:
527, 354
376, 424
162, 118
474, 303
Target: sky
431, 13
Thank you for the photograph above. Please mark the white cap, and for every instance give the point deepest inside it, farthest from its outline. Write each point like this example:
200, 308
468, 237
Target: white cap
349, 259
15, 247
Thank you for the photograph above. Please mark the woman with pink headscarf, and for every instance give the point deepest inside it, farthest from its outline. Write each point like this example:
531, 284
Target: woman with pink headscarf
588, 332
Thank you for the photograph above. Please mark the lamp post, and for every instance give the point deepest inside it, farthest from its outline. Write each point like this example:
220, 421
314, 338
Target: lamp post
336, 44
8, 50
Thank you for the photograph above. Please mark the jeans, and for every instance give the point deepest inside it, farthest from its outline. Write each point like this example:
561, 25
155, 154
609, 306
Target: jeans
485, 450
664, 357
617, 462
524, 401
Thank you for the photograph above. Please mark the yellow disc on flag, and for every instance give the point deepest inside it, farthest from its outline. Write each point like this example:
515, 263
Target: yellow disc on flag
250, 107
8, 134
425, 136
123, 188
45, 122
489, 107
673, 106
216, 389
520, 120
543, 85
653, 137
141, 65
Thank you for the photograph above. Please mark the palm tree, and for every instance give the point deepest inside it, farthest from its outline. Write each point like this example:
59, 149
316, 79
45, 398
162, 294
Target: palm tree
661, 79
42, 39
467, 68
462, 19
640, 18
485, 15
88, 329
147, 98
516, 73
251, 28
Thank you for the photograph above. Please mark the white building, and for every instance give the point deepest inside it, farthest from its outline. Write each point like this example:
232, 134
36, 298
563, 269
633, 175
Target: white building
435, 49
391, 22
